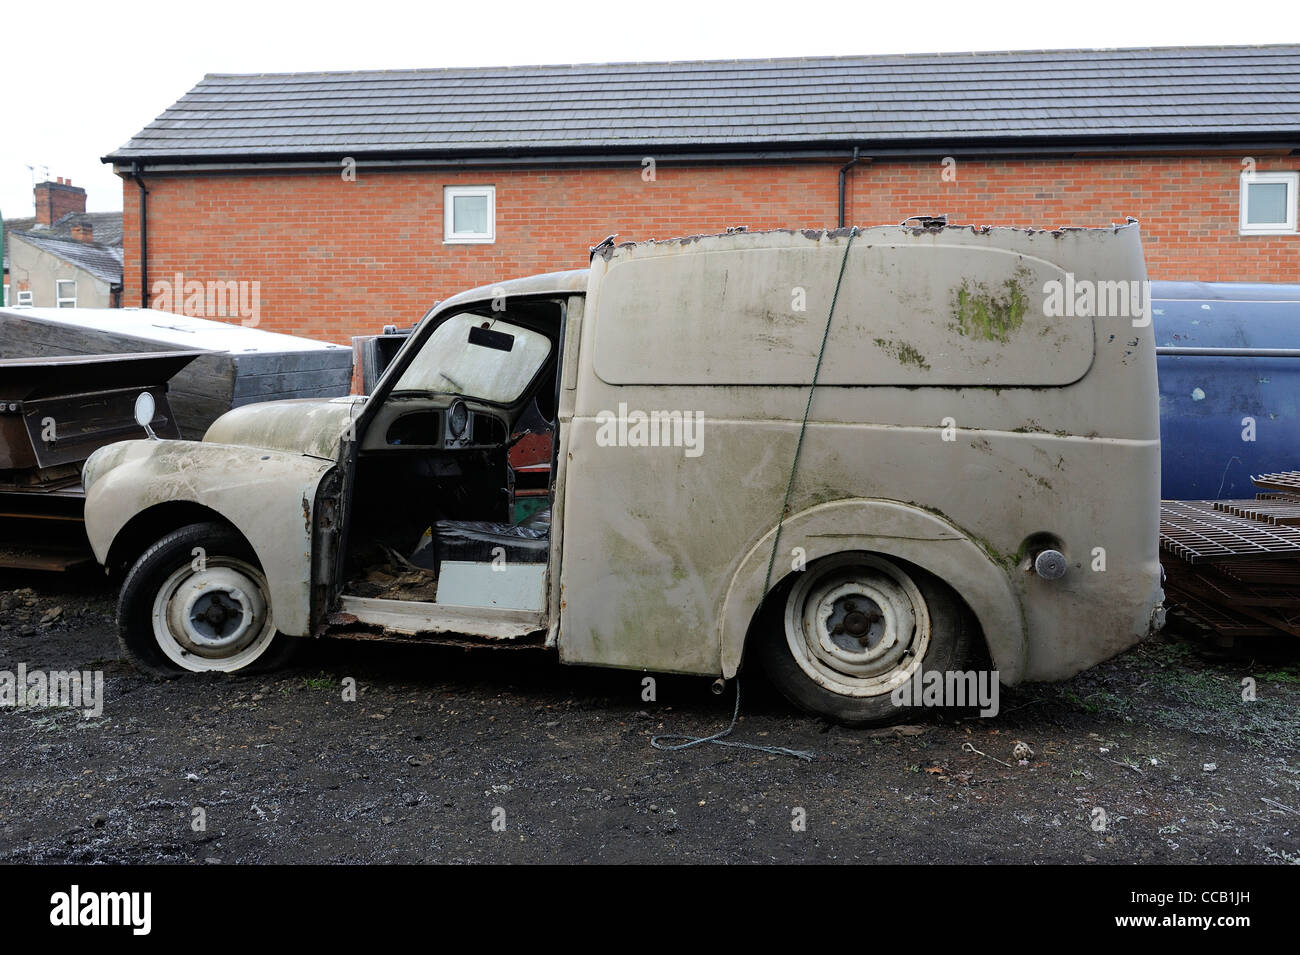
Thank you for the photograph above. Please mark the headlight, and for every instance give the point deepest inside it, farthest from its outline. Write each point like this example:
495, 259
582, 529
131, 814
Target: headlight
103, 460
94, 467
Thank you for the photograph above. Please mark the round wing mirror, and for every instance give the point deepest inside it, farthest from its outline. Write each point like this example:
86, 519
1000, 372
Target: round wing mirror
144, 409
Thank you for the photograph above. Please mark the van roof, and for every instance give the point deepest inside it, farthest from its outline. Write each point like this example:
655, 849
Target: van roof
575, 280
915, 226
548, 283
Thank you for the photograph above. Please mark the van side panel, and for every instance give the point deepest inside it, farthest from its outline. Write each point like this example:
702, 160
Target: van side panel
757, 315
656, 536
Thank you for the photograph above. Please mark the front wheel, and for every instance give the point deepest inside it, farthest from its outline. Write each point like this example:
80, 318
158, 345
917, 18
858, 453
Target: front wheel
197, 601
852, 628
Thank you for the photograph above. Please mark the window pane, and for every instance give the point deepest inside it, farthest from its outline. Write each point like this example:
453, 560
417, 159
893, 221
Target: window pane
469, 215
450, 364
1266, 203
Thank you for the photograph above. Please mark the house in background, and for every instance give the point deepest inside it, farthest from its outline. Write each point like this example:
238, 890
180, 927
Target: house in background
64, 256
353, 200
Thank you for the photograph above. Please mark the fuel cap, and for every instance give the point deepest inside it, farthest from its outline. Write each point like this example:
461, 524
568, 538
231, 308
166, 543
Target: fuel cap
1050, 564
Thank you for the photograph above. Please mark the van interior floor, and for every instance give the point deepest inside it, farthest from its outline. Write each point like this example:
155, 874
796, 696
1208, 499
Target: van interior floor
393, 577
379, 569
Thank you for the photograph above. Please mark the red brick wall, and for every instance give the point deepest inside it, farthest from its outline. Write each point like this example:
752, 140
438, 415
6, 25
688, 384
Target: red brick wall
337, 258
1188, 206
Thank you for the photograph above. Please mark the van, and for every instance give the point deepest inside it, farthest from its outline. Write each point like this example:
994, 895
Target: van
850, 457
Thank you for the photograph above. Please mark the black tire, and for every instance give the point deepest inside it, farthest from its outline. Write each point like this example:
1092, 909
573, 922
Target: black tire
163, 566
947, 645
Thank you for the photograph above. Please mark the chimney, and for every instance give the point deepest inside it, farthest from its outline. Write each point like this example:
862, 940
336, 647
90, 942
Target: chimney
83, 232
54, 200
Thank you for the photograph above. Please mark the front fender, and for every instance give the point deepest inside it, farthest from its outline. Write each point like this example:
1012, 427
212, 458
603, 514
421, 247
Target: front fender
892, 529
266, 495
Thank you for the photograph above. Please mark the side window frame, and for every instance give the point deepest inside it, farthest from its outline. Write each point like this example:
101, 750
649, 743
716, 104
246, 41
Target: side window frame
1289, 227
449, 234
61, 300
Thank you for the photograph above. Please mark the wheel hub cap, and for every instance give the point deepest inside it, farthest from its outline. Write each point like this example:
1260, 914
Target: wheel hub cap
215, 618
857, 624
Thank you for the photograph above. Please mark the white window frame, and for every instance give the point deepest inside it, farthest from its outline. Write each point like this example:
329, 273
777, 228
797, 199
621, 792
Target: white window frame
61, 300
450, 237
1292, 181
25, 297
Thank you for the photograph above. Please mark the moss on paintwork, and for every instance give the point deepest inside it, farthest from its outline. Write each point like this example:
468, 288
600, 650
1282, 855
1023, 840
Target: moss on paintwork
1009, 561
991, 313
903, 353
998, 557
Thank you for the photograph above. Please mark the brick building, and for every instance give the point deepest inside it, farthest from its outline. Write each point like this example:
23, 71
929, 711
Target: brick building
63, 256
357, 199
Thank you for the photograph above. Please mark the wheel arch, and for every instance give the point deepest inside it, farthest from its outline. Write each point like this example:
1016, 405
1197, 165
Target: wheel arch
892, 529
153, 523
266, 495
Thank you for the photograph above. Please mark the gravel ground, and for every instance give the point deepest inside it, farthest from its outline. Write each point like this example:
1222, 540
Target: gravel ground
495, 756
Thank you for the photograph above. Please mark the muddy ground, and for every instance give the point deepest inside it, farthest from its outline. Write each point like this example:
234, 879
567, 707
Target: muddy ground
440, 743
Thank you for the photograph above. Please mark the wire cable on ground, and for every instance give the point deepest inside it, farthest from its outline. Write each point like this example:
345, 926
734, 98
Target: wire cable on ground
719, 739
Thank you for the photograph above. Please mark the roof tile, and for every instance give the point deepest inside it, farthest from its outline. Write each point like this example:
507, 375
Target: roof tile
795, 103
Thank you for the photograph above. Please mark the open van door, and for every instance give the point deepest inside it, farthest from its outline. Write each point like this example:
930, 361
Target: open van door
445, 531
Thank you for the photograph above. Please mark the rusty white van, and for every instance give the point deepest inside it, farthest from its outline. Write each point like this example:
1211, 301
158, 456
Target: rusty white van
846, 457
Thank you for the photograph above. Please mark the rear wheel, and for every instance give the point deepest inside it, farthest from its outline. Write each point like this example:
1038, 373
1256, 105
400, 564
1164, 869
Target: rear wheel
197, 601
853, 627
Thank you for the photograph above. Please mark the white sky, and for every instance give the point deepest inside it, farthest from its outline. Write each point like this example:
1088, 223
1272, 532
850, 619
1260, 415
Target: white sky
76, 94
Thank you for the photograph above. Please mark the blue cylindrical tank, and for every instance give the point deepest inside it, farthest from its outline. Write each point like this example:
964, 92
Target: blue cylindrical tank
1226, 416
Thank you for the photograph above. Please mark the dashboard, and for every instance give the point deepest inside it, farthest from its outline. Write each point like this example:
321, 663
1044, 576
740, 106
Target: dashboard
434, 425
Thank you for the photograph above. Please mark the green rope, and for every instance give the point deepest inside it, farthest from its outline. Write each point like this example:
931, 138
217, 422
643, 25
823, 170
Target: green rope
803, 428
719, 739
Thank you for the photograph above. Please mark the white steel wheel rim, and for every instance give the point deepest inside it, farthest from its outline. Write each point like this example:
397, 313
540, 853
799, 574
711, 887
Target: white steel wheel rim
214, 619
857, 625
